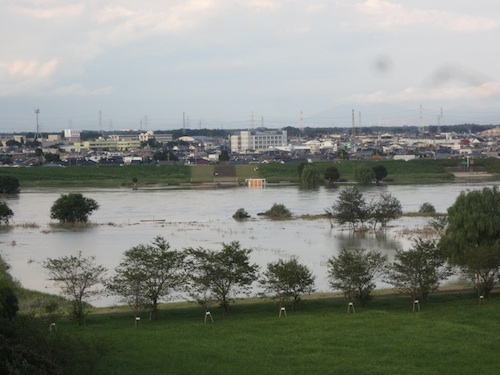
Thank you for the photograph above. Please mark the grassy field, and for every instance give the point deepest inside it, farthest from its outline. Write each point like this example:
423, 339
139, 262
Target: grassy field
103, 176
400, 172
452, 334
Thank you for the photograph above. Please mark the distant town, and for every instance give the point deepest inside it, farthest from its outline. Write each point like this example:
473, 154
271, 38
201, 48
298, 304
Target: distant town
259, 145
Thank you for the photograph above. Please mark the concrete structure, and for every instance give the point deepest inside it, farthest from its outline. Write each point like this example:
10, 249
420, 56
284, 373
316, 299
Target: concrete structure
106, 144
258, 141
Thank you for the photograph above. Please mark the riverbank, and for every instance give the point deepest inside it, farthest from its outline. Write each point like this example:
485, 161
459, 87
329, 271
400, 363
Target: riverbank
421, 171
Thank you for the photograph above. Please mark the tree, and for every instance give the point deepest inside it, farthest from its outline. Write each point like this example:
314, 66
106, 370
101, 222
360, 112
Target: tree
427, 209
331, 174
241, 214
471, 240
354, 272
419, 270
73, 208
224, 156
380, 173
165, 155
287, 279
300, 168
8, 300
364, 175
13, 143
220, 275
51, 157
387, 208
310, 177
148, 274
5, 213
9, 185
277, 212
350, 208
77, 276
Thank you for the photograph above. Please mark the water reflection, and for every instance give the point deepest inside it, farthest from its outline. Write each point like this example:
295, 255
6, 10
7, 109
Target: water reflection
194, 218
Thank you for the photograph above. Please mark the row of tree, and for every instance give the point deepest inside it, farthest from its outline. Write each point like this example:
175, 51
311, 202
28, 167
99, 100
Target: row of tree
364, 175
152, 273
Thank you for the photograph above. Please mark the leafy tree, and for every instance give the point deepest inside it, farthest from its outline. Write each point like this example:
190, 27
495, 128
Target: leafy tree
419, 270
331, 174
73, 208
165, 155
387, 208
13, 143
364, 175
350, 208
8, 300
148, 274
300, 168
51, 157
354, 272
5, 213
77, 276
287, 279
220, 275
277, 212
224, 156
310, 177
439, 223
380, 173
472, 238
9, 185
427, 209
240, 214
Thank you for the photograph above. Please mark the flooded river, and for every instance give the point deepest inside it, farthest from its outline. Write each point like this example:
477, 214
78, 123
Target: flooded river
202, 218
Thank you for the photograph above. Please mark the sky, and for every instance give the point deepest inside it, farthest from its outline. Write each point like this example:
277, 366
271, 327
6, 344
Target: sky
168, 64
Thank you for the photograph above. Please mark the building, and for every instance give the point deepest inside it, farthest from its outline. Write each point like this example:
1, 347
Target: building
106, 144
258, 141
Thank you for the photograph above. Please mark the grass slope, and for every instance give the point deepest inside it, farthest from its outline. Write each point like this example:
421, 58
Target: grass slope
451, 335
403, 172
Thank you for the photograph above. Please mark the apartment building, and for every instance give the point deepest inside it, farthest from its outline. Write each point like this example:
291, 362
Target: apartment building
258, 141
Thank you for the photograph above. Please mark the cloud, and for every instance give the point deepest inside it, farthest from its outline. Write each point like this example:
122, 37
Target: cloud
48, 10
29, 69
387, 15
80, 90
483, 91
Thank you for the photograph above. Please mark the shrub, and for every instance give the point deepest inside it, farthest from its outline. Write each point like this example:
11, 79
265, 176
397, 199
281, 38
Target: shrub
241, 214
9, 185
427, 208
278, 211
5, 213
364, 175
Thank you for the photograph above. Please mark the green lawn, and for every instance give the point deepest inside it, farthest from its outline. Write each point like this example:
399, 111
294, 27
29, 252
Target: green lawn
450, 335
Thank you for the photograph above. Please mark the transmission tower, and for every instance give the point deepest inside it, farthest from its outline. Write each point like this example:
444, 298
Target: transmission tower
37, 111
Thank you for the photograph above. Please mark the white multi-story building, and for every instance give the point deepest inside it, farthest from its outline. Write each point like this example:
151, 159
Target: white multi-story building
258, 141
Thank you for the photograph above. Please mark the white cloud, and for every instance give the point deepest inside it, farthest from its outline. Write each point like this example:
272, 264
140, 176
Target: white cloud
389, 16
48, 9
20, 69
